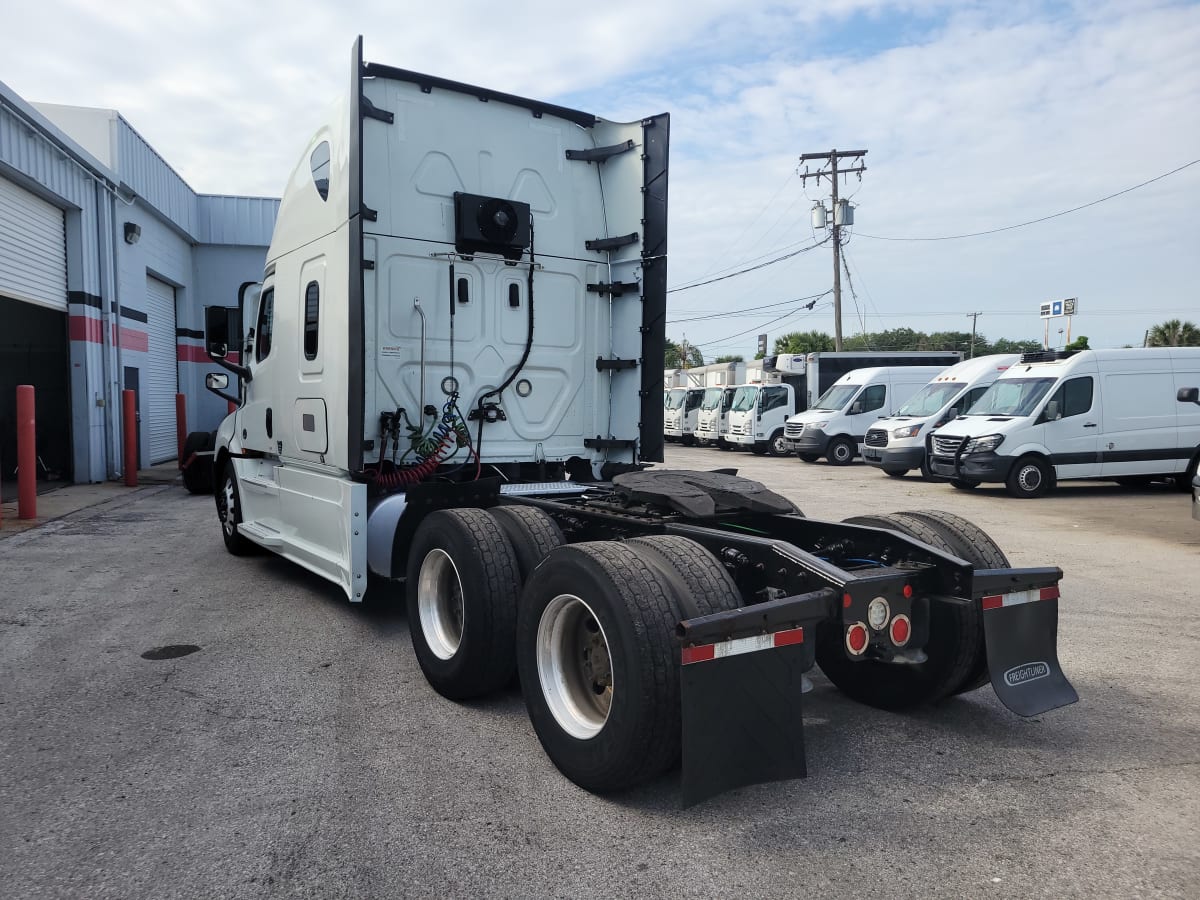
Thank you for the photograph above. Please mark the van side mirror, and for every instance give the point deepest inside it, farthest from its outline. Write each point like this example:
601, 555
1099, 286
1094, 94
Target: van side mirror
855, 409
1051, 414
1189, 395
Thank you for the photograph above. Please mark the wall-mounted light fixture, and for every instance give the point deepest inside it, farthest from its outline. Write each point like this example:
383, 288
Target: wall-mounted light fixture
133, 231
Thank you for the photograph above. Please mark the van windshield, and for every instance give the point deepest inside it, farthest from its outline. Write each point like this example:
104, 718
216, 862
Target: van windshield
1012, 397
675, 398
712, 398
931, 398
837, 397
744, 399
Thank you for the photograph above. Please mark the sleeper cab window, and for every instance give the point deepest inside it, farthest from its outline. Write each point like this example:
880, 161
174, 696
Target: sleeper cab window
312, 309
320, 168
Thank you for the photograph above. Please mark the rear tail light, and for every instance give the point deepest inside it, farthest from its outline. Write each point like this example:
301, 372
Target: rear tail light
901, 630
856, 639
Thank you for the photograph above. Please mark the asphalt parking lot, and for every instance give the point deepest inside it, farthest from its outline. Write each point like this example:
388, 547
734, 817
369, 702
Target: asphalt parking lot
299, 751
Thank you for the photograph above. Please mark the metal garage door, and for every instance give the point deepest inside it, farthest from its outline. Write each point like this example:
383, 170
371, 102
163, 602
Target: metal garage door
33, 257
160, 380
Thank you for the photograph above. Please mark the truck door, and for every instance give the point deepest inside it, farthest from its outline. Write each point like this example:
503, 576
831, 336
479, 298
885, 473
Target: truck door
257, 418
1072, 428
870, 405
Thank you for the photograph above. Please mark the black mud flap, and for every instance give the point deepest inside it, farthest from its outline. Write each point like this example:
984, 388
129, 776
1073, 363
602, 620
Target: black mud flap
1021, 629
742, 721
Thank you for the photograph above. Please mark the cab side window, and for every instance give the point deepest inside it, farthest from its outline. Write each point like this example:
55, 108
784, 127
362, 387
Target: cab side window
1074, 397
968, 399
773, 397
266, 320
873, 397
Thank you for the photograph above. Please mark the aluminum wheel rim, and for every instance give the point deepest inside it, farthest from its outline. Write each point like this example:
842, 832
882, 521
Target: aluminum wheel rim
574, 666
841, 451
227, 510
440, 604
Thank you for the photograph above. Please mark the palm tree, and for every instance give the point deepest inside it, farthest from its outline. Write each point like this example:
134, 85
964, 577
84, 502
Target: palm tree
1174, 333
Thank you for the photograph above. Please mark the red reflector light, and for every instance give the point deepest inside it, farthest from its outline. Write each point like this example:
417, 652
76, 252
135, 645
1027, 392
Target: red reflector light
856, 638
901, 630
703, 653
846, 600
789, 637
908, 592
1050, 593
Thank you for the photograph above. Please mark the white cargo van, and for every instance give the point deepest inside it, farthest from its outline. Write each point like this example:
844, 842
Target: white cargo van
837, 424
1109, 414
713, 417
896, 443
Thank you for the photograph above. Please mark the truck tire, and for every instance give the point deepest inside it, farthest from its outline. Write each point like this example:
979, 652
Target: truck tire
1031, 477
896, 473
963, 484
777, 445
599, 665
1184, 481
809, 457
953, 648
198, 474
703, 586
972, 543
760, 448
841, 451
229, 511
462, 586
532, 533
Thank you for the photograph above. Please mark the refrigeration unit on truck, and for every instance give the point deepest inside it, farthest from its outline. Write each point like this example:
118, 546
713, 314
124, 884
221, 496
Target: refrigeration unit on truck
896, 443
1113, 415
450, 391
759, 411
836, 425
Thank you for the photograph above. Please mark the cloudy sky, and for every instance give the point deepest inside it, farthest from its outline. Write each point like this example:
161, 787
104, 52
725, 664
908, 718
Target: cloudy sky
976, 116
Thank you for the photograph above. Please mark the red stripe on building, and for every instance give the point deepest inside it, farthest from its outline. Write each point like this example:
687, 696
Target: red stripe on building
191, 353
131, 339
85, 328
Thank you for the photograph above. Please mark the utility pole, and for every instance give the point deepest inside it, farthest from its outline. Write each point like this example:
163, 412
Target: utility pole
840, 217
973, 316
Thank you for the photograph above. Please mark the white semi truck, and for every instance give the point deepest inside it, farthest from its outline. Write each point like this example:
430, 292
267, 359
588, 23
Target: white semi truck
449, 391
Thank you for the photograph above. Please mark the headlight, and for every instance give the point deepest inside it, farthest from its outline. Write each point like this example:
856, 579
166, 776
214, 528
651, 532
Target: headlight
816, 424
907, 431
983, 444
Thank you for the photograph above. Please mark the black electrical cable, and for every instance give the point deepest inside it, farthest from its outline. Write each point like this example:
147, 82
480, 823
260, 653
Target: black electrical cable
495, 392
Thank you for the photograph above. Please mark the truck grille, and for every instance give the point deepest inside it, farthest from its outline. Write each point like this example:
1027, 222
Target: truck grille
876, 437
793, 431
946, 445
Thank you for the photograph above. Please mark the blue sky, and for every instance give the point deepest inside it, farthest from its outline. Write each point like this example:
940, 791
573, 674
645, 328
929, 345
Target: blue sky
977, 115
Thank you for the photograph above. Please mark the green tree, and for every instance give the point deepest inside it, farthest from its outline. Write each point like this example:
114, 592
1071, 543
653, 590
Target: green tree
729, 359
1004, 345
673, 356
803, 342
1174, 333
1080, 343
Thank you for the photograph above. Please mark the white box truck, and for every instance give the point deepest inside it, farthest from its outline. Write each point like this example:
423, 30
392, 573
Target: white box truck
1057, 415
836, 425
712, 420
682, 409
758, 413
896, 443
448, 390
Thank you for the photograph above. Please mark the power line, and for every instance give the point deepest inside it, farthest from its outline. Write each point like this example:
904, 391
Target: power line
955, 237
750, 309
786, 315
770, 262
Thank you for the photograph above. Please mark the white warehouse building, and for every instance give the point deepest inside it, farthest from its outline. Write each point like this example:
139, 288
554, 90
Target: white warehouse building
107, 261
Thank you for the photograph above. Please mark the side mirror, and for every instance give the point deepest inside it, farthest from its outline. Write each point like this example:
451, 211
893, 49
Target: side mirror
1189, 395
855, 409
1051, 414
216, 381
216, 331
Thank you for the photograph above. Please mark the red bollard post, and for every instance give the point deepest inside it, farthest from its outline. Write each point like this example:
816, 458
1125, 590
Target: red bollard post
180, 425
129, 436
232, 407
26, 454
